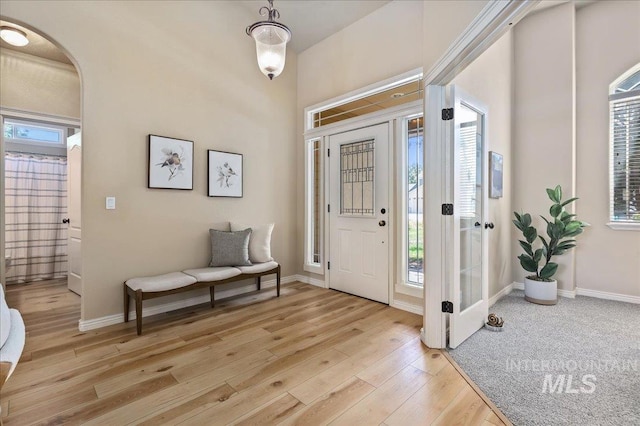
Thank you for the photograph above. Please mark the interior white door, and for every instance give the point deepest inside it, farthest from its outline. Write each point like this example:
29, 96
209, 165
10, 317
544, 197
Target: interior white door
359, 212
74, 220
470, 281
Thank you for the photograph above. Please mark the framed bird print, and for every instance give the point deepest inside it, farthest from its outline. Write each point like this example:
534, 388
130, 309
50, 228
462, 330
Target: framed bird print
224, 174
170, 163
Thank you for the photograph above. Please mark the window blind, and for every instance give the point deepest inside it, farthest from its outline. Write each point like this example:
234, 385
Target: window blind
625, 157
468, 176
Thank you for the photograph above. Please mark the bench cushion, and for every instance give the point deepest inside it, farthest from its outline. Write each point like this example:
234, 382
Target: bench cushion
213, 274
258, 267
161, 282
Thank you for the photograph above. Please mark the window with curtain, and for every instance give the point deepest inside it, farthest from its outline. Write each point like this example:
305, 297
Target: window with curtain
624, 100
35, 204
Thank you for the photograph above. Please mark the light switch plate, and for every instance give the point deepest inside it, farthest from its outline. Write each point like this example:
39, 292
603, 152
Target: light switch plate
111, 203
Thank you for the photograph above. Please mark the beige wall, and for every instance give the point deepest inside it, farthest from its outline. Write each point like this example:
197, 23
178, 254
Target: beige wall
489, 79
443, 22
606, 260
546, 45
199, 81
38, 85
543, 149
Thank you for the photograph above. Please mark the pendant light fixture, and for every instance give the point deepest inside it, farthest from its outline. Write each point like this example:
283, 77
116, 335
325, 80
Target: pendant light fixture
14, 36
271, 39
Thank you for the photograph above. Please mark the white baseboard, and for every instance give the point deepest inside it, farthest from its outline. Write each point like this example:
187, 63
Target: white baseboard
499, 295
571, 294
609, 296
92, 324
589, 293
409, 307
309, 280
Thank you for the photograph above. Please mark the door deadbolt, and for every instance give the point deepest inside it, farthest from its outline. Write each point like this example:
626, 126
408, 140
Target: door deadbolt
383, 211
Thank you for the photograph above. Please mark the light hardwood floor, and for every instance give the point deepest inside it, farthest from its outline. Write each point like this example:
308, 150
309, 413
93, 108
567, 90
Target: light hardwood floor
312, 356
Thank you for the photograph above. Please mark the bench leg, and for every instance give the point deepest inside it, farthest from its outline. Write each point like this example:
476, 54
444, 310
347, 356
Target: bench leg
126, 304
139, 312
258, 282
278, 281
213, 297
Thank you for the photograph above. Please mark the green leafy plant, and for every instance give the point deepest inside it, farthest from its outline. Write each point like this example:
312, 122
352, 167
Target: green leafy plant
562, 229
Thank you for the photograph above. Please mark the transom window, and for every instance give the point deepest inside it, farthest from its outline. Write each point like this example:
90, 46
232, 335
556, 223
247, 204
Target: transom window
33, 133
624, 100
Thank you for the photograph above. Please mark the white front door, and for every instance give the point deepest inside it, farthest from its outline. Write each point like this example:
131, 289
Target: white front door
470, 282
74, 247
359, 212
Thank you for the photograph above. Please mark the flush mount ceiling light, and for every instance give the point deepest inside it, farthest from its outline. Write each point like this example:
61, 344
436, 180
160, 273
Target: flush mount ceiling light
271, 41
14, 36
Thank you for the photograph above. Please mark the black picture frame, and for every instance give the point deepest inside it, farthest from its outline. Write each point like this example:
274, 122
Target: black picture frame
224, 174
169, 163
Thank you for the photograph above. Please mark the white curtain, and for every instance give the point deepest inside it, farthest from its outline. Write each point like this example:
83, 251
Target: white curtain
35, 204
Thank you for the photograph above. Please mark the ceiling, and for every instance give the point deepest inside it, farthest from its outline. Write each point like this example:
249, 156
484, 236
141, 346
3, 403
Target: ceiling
38, 45
311, 21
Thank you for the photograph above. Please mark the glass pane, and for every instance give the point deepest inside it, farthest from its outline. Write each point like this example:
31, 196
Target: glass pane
625, 171
388, 98
32, 133
316, 201
414, 199
356, 178
470, 178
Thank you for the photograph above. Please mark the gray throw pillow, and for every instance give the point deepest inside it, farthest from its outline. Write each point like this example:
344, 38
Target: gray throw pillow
230, 248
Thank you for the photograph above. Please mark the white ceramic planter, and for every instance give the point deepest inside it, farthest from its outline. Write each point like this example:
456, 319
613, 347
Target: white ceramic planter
541, 292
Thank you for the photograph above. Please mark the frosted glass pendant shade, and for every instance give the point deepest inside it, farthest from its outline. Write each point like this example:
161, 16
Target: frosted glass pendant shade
271, 48
271, 39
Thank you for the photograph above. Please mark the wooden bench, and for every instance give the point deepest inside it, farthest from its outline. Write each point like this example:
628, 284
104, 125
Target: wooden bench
144, 288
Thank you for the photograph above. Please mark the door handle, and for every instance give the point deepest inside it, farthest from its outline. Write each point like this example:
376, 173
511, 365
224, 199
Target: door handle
489, 225
477, 224
382, 223
66, 220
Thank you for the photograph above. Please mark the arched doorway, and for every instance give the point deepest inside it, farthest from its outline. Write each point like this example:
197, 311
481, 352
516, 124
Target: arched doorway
41, 114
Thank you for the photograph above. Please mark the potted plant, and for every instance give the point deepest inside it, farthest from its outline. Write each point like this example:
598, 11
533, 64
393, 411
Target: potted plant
561, 229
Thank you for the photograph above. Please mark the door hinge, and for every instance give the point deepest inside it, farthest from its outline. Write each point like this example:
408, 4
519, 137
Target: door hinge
328, 208
328, 265
447, 307
447, 114
447, 209
328, 152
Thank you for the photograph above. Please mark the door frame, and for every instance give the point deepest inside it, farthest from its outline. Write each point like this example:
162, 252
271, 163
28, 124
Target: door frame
390, 116
390, 195
29, 115
495, 19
